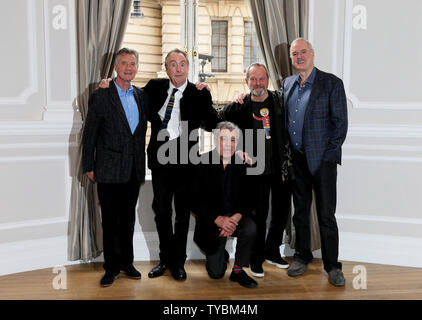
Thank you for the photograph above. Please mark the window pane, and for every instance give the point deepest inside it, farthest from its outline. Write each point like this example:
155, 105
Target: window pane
222, 52
248, 39
219, 45
252, 51
223, 27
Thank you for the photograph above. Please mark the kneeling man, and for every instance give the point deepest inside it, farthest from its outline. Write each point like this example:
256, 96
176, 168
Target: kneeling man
221, 205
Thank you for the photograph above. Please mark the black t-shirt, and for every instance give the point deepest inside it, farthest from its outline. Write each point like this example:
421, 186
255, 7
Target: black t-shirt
261, 113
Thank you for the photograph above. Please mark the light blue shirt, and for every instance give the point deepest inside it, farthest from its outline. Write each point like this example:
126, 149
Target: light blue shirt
296, 106
129, 105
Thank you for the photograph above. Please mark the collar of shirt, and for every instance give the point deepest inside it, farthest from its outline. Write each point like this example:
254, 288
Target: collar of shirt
181, 89
310, 79
121, 92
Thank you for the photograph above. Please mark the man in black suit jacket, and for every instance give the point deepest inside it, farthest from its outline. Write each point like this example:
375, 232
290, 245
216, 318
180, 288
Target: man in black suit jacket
178, 107
114, 157
221, 202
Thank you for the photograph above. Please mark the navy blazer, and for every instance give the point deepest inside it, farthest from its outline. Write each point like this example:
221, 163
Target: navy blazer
325, 123
108, 146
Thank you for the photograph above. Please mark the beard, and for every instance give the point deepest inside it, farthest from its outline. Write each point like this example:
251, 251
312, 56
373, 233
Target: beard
259, 93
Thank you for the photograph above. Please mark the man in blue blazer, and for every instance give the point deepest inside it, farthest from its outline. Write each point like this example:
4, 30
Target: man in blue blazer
317, 123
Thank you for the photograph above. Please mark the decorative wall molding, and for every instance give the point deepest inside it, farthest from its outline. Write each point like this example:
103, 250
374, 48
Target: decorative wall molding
63, 159
383, 158
31, 128
376, 218
32, 223
39, 145
385, 131
32, 56
311, 21
61, 110
355, 101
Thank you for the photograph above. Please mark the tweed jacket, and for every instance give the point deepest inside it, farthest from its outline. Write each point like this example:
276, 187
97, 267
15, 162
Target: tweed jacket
108, 146
325, 123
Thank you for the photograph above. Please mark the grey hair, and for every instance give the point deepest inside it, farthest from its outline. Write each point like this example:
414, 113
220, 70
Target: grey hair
256, 64
175, 51
302, 39
228, 126
123, 51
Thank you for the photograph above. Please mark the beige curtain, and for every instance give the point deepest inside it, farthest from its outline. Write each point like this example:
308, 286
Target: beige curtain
278, 23
101, 25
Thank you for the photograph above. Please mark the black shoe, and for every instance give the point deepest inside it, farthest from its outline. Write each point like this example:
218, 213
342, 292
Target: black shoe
256, 270
108, 278
131, 272
277, 261
178, 273
243, 279
158, 270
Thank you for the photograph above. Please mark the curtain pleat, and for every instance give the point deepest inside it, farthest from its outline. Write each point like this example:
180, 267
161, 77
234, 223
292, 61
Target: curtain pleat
101, 25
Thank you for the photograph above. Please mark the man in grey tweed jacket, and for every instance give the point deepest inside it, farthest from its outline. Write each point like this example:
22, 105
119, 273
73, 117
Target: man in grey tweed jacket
114, 156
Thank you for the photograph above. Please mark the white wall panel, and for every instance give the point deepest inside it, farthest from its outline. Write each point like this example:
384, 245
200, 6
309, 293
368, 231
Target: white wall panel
38, 131
379, 207
22, 85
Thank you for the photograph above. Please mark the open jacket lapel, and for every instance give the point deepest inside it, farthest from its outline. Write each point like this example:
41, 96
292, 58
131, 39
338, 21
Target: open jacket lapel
115, 99
142, 107
163, 94
316, 89
185, 102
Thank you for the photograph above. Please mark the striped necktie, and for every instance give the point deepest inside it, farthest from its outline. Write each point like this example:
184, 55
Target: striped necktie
169, 109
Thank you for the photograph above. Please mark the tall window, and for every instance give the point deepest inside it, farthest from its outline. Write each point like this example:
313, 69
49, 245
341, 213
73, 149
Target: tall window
219, 46
252, 52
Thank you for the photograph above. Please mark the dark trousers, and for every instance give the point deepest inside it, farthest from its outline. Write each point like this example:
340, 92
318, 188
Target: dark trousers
118, 204
324, 183
168, 183
268, 245
245, 232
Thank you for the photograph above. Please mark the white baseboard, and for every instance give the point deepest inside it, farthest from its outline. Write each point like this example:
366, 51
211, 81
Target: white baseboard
381, 249
51, 252
30, 255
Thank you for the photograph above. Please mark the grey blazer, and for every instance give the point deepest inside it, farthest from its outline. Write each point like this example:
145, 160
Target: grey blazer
108, 146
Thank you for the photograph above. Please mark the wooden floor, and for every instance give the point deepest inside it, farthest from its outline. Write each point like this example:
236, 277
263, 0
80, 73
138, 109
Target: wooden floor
383, 282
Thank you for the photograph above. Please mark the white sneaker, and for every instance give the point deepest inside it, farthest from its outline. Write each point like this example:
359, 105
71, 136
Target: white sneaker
257, 271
